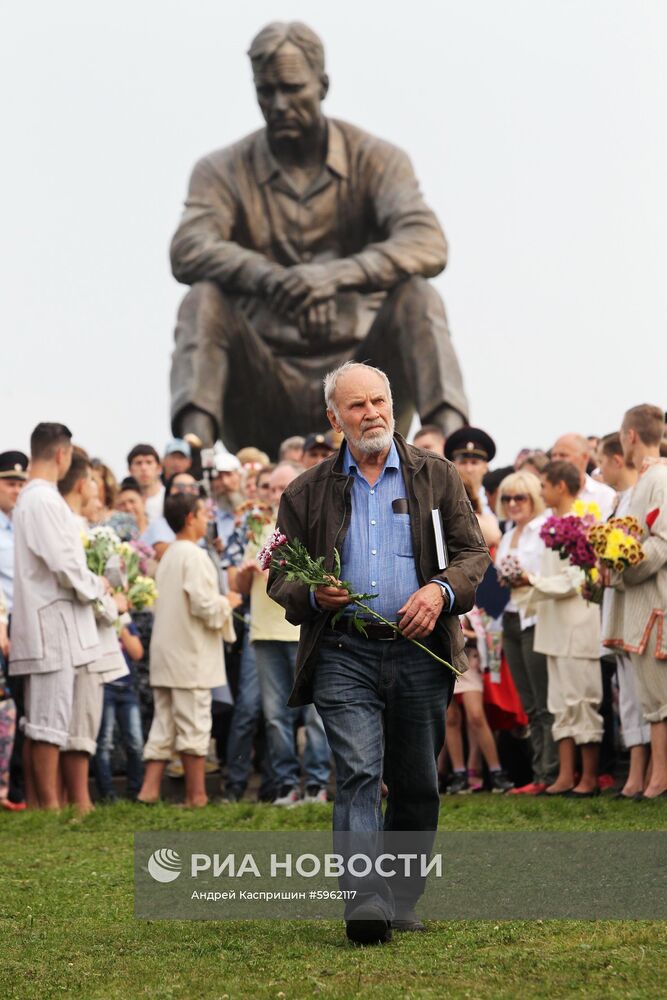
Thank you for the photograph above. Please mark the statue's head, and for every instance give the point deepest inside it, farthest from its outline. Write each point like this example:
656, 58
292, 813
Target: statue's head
288, 68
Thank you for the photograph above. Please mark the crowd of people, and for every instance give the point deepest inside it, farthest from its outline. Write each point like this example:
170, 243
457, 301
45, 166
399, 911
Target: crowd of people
562, 696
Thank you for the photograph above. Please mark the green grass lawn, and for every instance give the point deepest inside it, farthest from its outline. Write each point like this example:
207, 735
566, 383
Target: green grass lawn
67, 926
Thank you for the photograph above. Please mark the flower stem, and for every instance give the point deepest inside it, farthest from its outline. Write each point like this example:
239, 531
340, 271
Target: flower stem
414, 642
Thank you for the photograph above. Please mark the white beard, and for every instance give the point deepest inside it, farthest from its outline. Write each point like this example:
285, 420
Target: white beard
371, 444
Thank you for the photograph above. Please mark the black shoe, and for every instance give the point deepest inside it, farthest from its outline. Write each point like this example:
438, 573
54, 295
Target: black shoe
368, 925
232, 794
407, 920
458, 784
500, 782
581, 795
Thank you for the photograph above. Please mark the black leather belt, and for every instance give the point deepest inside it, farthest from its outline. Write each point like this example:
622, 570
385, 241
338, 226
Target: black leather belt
374, 630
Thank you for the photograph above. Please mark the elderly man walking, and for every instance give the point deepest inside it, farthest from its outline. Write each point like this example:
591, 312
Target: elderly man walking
382, 700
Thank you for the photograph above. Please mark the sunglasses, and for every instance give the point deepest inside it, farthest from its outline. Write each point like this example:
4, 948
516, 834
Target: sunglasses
185, 489
517, 498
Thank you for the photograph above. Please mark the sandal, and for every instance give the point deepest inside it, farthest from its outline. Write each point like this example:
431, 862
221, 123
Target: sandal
475, 783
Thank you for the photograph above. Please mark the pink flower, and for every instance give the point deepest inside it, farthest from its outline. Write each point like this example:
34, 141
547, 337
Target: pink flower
274, 542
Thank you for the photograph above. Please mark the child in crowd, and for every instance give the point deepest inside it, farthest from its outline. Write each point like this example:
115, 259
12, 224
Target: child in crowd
121, 705
186, 653
568, 633
469, 689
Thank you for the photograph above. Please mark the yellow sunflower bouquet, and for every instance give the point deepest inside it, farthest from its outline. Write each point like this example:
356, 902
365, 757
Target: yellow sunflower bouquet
617, 543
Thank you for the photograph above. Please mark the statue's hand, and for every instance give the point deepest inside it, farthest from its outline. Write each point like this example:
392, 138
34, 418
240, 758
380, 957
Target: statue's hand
319, 321
302, 286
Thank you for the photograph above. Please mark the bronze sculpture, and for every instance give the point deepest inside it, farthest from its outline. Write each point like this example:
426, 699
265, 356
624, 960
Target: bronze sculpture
306, 244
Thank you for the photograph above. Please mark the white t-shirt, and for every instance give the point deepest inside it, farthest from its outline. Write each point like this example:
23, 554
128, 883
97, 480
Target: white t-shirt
154, 505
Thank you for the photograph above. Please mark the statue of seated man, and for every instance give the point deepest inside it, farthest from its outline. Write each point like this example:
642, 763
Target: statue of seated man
306, 244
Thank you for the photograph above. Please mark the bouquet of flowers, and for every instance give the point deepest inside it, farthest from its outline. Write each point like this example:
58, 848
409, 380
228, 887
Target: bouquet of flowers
100, 544
123, 563
509, 571
294, 562
617, 542
568, 536
142, 593
252, 516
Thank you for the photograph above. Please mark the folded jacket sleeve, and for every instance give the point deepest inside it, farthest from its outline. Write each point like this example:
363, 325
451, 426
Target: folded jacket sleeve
203, 247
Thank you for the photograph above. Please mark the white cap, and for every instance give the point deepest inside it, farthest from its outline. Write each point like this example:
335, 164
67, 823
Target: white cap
225, 462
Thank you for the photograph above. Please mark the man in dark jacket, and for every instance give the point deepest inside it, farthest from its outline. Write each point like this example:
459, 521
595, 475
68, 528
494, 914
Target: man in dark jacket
382, 699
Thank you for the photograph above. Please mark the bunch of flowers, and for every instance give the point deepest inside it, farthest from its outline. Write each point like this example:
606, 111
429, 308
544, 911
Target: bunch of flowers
589, 512
617, 542
145, 555
252, 516
293, 561
509, 571
100, 543
123, 563
142, 593
568, 536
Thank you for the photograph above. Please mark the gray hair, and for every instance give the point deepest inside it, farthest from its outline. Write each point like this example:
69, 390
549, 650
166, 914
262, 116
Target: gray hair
287, 463
331, 381
291, 442
265, 44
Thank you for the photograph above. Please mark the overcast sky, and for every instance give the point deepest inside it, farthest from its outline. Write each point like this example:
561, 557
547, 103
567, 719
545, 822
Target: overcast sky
538, 130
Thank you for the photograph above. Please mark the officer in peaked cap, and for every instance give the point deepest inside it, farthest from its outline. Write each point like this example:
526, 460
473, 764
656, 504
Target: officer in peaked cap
13, 465
470, 442
471, 449
316, 448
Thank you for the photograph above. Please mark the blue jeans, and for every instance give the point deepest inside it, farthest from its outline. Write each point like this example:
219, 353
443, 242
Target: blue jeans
276, 668
383, 705
121, 705
247, 713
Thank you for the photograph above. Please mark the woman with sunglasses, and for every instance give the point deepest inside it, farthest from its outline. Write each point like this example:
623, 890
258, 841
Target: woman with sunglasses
520, 503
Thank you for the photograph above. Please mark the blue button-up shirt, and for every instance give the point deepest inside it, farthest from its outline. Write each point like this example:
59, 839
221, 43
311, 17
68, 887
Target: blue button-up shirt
377, 555
7, 559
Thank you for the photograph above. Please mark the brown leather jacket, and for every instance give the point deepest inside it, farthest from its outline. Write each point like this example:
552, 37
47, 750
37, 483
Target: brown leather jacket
316, 508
